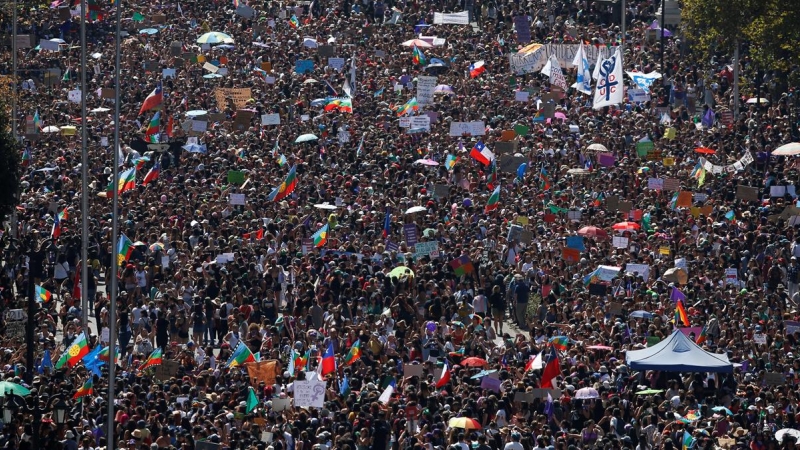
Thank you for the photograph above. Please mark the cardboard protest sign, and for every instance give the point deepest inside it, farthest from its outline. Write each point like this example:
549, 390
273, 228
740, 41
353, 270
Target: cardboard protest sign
166, 370
747, 193
239, 96
262, 372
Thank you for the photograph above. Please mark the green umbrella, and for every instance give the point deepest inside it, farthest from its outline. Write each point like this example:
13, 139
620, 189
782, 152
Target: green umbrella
650, 391
7, 387
400, 272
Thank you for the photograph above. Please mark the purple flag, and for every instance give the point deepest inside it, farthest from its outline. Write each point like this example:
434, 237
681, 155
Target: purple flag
677, 295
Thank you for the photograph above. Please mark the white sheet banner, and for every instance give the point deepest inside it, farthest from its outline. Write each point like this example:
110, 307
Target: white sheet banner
460, 18
565, 53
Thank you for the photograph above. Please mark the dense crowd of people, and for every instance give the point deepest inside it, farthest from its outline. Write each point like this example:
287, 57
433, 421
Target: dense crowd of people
285, 225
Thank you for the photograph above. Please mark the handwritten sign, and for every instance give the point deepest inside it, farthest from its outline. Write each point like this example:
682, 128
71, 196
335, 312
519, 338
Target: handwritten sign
166, 370
304, 66
477, 128
240, 96
425, 89
271, 119
426, 249
309, 393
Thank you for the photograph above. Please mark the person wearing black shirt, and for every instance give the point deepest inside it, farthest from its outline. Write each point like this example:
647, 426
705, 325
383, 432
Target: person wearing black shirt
380, 433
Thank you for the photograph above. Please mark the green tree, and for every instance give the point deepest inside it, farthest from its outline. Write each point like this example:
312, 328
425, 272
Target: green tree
771, 27
10, 156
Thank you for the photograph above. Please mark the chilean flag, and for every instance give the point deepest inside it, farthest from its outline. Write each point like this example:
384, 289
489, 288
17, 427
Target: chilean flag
444, 378
152, 175
482, 154
476, 68
155, 99
551, 370
328, 363
56, 227
387, 224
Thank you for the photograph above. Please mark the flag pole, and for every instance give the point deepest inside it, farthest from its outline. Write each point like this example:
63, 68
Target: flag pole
112, 319
84, 180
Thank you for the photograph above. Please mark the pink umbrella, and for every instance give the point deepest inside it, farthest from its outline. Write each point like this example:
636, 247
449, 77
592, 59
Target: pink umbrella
426, 162
417, 42
600, 347
560, 115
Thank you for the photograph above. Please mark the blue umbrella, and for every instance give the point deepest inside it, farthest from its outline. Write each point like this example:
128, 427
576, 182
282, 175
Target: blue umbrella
721, 409
226, 46
482, 374
194, 148
642, 314
148, 31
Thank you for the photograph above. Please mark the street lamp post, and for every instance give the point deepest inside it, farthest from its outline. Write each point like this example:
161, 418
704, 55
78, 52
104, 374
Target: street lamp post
35, 271
13, 404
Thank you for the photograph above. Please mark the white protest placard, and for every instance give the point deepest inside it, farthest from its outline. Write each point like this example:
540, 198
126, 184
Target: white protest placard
74, 96
269, 79
271, 119
167, 73
638, 95
642, 269
574, 215
210, 67
619, 242
105, 334
305, 118
420, 123
681, 263
222, 71
199, 126
343, 136
238, 199
309, 393
777, 191
426, 249
731, 276
426, 85
44, 44
521, 96
760, 339
459, 18
477, 128
336, 63
280, 404
405, 122
104, 141
655, 184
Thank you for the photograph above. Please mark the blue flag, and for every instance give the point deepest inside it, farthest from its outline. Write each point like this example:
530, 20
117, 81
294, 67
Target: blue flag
92, 361
345, 386
47, 362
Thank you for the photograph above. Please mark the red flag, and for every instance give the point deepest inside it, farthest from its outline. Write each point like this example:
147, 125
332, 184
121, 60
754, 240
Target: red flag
76, 286
444, 378
551, 370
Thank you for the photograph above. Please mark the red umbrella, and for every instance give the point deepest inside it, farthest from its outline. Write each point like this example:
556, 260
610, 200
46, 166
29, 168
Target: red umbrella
593, 232
626, 226
473, 361
705, 150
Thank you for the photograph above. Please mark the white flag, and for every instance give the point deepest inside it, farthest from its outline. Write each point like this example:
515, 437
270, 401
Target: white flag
610, 85
556, 75
353, 74
546, 69
386, 395
537, 362
584, 82
601, 55
346, 88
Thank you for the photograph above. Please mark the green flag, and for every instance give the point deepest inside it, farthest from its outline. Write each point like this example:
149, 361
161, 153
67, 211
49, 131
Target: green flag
137, 17
252, 400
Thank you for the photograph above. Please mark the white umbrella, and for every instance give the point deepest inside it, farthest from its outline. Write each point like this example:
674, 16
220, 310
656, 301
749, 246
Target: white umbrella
215, 37
578, 172
51, 129
100, 110
310, 81
586, 394
305, 138
325, 205
426, 162
417, 42
787, 432
788, 149
196, 112
416, 209
597, 147
761, 100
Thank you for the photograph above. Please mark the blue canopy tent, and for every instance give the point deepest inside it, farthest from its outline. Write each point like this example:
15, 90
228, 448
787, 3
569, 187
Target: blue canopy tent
677, 353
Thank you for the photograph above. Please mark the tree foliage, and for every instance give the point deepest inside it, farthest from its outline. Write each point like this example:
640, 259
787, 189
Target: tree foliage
10, 156
771, 27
